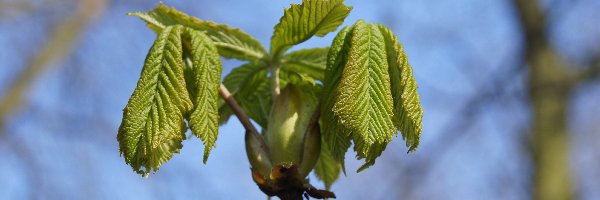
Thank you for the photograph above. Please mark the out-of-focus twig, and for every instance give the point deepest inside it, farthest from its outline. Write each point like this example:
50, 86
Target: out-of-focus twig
550, 84
59, 44
591, 72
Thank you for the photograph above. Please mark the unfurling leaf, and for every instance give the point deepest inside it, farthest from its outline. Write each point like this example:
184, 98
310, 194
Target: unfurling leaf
370, 93
153, 120
231, 42
301, 22
206, 79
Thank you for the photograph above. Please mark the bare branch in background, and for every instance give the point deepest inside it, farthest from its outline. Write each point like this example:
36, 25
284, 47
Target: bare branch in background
550, 85
58, 45
591, 72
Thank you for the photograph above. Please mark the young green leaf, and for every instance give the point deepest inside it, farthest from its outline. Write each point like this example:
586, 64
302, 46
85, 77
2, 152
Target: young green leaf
206, 70
334, 134
231, 42
364, 100
153, 120
408, 113
242, 75
370, 93
310, 62
301, 22
327, 169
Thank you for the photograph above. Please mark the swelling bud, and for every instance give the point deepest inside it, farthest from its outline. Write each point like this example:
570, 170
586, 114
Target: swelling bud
283, 157
288, 125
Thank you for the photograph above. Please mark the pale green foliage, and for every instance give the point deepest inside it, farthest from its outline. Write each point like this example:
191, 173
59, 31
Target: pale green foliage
232, 42
205, 81
153, 128
370, 101
408, 113
334, 133
308, 61
153, 121
363, 97
301, 22
363, 84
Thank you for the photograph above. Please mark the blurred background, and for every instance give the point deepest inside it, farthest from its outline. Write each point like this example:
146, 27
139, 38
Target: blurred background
510, 89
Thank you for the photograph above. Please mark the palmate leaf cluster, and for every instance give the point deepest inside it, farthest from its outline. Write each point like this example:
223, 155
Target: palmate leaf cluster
369, 93
363, 82
153, 121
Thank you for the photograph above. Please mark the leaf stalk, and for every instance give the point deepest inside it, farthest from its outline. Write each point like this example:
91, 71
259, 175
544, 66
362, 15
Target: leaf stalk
237, 109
